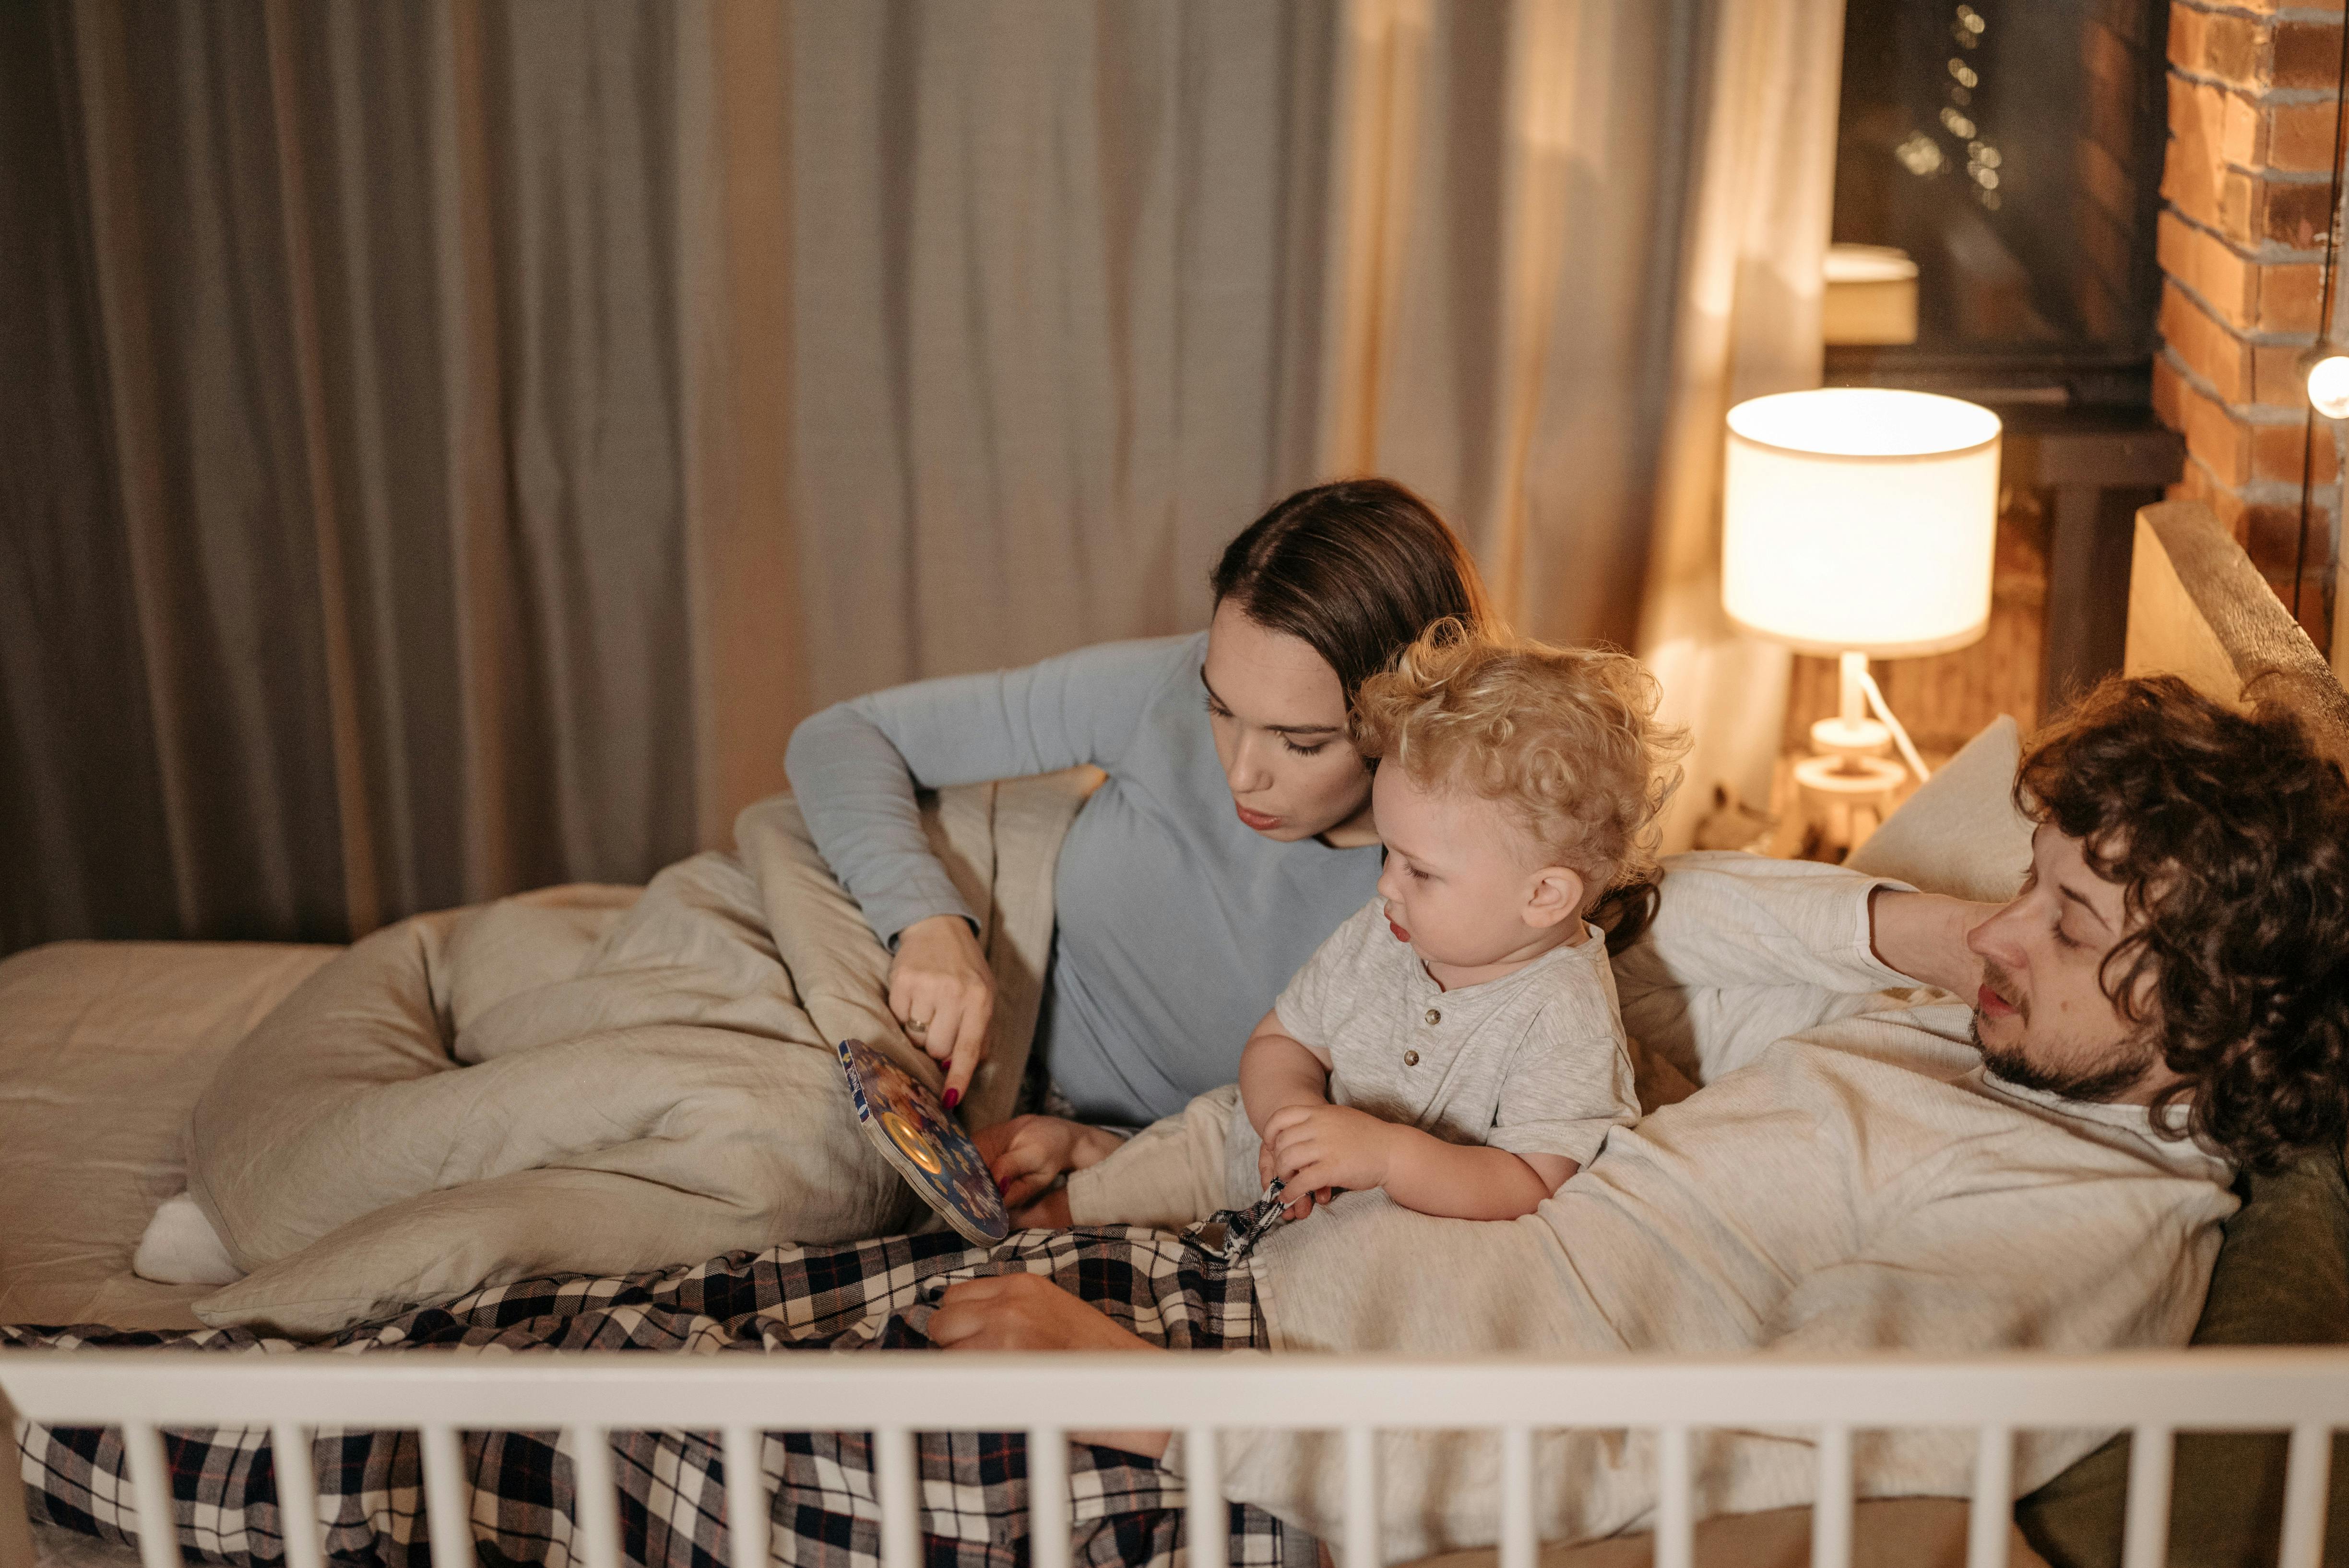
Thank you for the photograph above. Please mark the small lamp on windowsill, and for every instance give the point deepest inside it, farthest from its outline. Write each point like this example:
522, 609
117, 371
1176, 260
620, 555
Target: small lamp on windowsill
1859, 522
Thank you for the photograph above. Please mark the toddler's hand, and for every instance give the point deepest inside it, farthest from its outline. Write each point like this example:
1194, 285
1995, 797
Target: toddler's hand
1028, 1154
1299, 1204
1315, 1148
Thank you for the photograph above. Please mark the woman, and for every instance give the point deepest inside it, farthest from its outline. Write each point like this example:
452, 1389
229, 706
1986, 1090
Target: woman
1232, 836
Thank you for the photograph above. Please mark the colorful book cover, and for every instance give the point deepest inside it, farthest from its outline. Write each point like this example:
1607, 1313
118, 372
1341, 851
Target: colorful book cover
916, 1132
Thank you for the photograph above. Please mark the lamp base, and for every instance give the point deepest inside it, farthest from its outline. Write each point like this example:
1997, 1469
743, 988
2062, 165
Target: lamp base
1846, 797
1855, 738
1850, 778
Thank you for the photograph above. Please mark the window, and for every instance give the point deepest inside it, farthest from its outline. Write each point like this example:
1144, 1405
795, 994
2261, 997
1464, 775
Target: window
2011, 151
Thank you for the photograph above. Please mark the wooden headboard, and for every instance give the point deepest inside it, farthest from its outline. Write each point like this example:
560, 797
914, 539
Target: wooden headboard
2198, 607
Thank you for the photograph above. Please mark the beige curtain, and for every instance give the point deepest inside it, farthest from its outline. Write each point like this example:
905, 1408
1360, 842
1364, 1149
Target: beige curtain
469, 434
1758, 211
1575, 232
1511, 184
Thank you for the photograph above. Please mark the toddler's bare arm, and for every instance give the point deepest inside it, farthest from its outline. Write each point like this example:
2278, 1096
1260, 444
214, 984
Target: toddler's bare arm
1334, 1146
1456, 1182
1277, 1072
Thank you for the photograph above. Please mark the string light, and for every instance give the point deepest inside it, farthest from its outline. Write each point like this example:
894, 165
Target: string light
2325, 367
2328, 382
1967, 26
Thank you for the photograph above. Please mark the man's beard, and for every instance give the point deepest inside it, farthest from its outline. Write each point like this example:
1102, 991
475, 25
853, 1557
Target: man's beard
2123, 1068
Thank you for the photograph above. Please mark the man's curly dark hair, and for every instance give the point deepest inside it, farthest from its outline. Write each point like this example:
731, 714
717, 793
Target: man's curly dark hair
2229, 835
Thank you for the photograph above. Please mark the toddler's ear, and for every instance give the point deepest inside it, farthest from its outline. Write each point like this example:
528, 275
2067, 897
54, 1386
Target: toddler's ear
1557, 896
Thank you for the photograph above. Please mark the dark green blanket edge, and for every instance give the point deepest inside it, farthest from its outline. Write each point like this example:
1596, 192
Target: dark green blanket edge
2281, 1278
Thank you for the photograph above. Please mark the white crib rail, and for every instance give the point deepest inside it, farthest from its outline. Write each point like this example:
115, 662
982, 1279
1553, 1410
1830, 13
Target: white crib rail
588, 1395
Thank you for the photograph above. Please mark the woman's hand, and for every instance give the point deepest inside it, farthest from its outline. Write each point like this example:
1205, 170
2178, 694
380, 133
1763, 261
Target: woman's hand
941, 989
1317, 1148
1028, 1154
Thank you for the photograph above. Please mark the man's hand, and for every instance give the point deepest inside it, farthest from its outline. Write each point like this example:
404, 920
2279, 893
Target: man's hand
1923, 936
1315, 1148
1028, 1154
941, 989
1028, 1312
1023, 1312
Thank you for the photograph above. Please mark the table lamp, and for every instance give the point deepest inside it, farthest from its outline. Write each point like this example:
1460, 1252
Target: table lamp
1859, 522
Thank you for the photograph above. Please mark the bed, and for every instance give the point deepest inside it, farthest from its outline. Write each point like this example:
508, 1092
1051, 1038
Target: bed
104, 1047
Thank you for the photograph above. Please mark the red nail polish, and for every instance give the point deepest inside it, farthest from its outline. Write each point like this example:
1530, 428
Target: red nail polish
954, 1098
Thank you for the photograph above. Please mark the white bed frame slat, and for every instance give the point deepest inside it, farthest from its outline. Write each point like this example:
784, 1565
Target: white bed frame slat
1207, 1523
1048, 1511
297, 1495
1360, 1544
2145, 1542
1993, 1500
746, 1497
1675, 1499
448, 1495
1520, 1499
151, 1494
2306, 1472
897, 1476
1831, 1511
596, 1501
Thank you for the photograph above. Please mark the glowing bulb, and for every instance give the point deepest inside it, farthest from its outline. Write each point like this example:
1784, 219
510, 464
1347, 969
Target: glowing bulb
2328, 385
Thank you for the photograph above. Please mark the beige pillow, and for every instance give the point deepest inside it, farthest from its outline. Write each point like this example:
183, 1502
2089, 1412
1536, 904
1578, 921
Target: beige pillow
1959, 833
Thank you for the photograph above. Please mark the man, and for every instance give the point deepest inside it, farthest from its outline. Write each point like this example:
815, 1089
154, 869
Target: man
1927, 1125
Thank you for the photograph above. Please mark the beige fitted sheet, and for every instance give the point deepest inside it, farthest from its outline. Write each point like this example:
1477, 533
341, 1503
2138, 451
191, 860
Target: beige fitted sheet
104, 1047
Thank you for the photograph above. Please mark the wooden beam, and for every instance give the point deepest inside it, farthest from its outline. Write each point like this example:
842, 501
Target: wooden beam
2198, 607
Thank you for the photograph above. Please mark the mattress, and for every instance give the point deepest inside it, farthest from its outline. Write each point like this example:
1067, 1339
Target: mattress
104, 1047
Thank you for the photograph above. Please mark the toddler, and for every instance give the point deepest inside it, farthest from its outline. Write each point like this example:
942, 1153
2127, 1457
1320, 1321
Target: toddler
1456, 1042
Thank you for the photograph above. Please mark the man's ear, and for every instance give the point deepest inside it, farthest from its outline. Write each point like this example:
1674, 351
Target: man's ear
1557, 896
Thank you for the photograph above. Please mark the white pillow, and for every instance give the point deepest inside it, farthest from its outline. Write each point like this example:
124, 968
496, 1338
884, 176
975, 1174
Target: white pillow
1959, 833
181, 1248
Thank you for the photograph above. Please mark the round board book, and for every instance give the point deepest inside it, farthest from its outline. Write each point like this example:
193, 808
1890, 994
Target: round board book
916, 1133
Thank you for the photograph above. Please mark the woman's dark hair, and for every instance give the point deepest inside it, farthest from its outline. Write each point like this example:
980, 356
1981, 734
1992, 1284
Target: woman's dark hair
2229, 836
1355, 570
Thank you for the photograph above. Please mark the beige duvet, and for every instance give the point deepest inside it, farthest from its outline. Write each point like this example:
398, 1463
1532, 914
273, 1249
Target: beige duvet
583, 1080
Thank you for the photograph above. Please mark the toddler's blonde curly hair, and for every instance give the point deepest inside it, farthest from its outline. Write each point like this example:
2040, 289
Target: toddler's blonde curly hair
1565, 739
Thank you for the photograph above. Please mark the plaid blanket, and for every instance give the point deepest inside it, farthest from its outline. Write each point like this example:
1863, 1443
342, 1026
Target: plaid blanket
1174, 1291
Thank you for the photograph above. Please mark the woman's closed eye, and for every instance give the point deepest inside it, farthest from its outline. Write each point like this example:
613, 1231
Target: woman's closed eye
1218, 711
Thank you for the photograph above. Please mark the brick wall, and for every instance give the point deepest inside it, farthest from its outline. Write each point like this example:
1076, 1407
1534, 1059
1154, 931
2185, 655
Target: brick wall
2253, 99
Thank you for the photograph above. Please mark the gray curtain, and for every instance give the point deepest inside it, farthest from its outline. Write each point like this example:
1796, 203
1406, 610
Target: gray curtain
1057, 292
378, 477
463, 436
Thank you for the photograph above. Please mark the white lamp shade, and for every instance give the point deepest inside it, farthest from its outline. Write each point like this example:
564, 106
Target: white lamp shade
1860, 519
